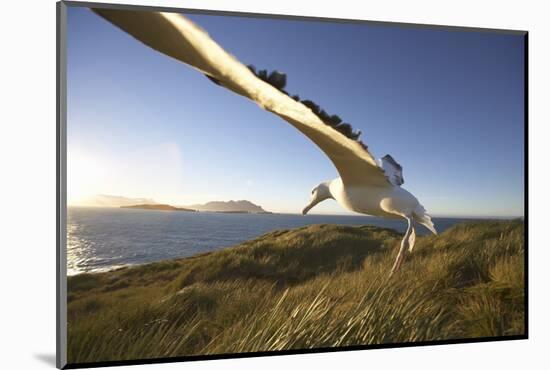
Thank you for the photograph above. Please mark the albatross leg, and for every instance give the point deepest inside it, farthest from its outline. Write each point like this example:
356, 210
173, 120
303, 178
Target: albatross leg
412, 237
404, 245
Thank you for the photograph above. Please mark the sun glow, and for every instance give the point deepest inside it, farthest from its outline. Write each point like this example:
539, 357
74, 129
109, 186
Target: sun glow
84, 176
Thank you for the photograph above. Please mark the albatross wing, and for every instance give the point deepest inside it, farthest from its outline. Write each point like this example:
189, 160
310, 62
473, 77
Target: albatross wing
392, 170
174, 35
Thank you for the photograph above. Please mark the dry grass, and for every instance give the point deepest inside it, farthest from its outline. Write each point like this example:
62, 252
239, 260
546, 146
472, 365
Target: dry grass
318, 286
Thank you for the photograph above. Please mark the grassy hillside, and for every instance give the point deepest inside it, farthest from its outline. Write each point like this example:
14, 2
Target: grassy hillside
317, 286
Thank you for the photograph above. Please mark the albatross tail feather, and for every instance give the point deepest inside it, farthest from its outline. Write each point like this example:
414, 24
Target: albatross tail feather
423, 218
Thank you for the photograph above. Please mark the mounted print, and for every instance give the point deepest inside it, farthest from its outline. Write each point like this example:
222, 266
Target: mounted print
235, 184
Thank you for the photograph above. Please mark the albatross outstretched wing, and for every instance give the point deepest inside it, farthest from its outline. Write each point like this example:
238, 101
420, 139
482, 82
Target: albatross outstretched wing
174, 35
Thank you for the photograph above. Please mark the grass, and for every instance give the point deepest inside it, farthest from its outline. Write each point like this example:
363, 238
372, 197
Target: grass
317, 286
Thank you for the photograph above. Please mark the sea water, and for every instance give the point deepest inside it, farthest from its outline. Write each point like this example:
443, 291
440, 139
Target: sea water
100, 239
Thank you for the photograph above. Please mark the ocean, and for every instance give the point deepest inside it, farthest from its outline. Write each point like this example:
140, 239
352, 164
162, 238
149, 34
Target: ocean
100, 239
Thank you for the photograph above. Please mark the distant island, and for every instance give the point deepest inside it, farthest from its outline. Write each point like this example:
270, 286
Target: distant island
232, 206
159, 207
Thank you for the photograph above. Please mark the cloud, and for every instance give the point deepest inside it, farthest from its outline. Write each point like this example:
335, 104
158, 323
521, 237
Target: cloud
154, 171
106, 200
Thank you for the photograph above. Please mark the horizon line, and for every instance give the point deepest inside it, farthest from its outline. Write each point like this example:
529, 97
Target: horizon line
488, 217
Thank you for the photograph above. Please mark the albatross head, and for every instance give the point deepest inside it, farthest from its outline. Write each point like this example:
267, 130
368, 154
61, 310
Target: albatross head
318, 194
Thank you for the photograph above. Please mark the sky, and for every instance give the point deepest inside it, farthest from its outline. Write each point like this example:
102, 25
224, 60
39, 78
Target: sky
446, 104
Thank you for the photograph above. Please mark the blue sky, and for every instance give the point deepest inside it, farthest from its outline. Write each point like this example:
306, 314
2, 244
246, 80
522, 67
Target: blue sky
447, 105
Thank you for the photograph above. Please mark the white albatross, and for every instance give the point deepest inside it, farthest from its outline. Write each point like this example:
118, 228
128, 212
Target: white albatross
365, 185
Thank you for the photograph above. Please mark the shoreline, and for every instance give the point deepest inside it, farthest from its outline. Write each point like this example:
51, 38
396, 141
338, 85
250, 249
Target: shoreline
106, 269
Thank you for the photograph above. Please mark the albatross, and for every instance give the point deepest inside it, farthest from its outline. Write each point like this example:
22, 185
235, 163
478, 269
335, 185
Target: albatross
366, 185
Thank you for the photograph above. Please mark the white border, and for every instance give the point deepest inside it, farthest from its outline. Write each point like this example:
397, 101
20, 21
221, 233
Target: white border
28, 182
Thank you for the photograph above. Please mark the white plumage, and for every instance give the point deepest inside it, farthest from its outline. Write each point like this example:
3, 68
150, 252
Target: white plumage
365, 185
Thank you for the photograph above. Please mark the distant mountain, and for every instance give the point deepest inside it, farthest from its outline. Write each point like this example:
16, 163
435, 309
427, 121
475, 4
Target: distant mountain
158, 207
104, 200
239, 206
232, 206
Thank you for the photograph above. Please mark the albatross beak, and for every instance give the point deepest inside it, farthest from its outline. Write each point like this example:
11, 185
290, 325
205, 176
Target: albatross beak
307, 208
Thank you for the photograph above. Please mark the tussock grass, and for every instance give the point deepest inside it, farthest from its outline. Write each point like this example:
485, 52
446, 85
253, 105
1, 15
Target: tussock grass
317, 286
